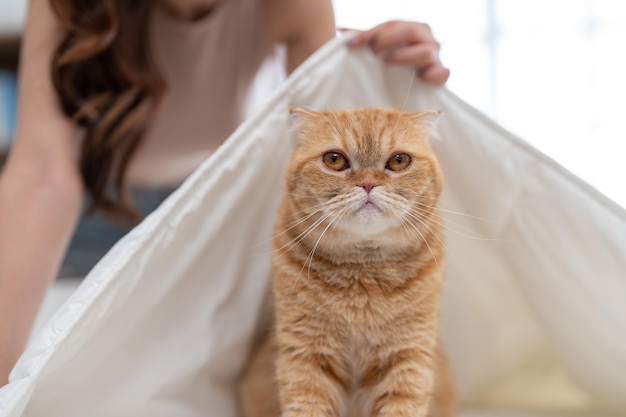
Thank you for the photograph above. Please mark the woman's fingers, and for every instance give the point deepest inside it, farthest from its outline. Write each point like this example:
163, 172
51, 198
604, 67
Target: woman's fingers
435, 74
391, 34
423, 57
405, 43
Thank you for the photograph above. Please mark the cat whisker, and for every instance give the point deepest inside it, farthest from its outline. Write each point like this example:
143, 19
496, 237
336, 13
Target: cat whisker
425, 210
296, 223
328, 203
422, 221
292, 224
446, 247
408, 92
300, 195
295, 241
309, 229
318, 208
399, 202
309, 259
432, 253
454, 212
337, 215
403, 223
446, 226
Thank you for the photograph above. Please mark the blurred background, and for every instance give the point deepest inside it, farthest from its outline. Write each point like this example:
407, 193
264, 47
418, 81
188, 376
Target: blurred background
550, 71
11, 19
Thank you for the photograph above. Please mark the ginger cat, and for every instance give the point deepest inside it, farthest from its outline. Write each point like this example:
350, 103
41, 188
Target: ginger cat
357, 274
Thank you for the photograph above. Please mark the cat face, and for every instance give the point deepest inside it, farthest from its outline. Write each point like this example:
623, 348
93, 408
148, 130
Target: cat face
365, 172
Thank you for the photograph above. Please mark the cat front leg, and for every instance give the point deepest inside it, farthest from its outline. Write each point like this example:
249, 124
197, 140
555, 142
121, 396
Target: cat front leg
309, 384
400, 385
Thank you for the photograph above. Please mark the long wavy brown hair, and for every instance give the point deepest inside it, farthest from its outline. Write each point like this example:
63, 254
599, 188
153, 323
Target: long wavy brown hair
108, 83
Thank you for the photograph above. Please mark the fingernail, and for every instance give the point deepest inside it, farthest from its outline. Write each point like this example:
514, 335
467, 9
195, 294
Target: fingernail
354, 41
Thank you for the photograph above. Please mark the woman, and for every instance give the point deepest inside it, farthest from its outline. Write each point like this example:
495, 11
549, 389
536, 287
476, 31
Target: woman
118, 93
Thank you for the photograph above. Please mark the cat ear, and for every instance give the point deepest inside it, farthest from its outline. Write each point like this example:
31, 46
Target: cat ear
428, 119
300, 114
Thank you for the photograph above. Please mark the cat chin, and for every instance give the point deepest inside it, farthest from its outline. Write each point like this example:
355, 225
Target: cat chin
368, 223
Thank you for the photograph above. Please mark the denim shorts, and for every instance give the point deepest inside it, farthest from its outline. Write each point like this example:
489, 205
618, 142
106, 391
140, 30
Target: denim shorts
96, 233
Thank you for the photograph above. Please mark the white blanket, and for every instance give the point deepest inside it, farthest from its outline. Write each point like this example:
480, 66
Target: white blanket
163, 324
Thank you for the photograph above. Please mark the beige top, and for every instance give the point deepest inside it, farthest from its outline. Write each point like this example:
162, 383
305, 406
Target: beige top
209, 66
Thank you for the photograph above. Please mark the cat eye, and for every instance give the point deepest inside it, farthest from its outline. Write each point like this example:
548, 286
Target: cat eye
335, 161
398, 162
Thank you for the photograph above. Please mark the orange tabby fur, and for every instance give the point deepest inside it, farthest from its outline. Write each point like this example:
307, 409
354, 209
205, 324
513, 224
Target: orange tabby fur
356, 286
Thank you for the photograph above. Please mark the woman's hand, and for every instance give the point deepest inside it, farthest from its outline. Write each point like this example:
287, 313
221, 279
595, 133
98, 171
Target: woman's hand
406, 43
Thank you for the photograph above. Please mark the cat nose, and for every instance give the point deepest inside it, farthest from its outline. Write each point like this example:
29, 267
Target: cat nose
368, 186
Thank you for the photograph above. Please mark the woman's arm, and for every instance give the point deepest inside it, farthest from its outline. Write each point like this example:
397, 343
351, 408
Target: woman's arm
302, 25
305, 25
40, 190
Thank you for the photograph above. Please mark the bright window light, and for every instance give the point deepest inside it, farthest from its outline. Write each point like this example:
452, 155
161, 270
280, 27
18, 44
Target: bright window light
550, 71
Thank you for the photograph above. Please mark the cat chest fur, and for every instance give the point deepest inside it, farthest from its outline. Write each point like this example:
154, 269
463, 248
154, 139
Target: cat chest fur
352, 320
357, 296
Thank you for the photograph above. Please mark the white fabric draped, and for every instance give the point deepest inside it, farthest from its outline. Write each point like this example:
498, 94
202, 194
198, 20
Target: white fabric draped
162, 325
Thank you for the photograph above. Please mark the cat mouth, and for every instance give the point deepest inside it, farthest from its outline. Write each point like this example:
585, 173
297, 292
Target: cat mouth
368, 206
368, 218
